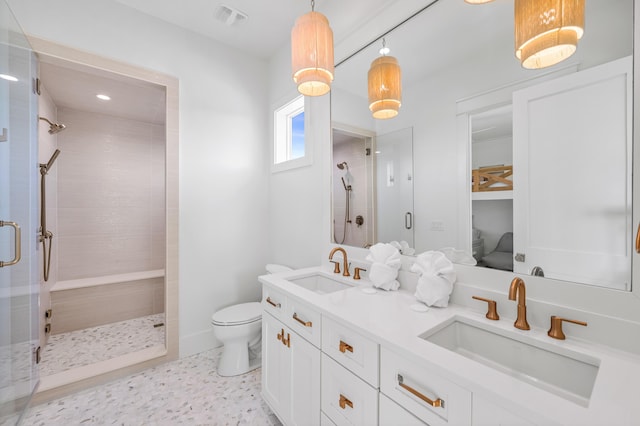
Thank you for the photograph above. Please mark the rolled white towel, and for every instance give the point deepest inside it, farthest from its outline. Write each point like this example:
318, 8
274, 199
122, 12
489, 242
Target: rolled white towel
383, 276
436, 278
403, 247
385, 253
434, 290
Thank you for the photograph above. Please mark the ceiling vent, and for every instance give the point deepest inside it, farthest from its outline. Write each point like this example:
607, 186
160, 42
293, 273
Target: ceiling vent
229, 16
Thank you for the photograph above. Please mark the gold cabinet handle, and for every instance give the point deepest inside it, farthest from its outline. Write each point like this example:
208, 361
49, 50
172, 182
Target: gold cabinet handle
305, 323
344, 347
272, 303
638, 240
434, 403
17, 243
344, 401
285, 340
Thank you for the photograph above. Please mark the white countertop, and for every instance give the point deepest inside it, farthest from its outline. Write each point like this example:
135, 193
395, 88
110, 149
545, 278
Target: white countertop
387, 318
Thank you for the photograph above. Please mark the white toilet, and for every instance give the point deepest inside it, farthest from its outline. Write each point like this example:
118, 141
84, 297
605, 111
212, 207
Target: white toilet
239, 328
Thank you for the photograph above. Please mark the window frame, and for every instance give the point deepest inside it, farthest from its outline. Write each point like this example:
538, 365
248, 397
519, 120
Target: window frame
283, 136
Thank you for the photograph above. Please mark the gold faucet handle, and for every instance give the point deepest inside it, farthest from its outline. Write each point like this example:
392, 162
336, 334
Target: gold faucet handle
336, 268
556, 327
492, 308
356, 273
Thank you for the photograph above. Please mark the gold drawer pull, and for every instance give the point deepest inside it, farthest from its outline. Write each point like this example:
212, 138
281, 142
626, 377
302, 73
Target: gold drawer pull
272, 303
344, 402
305, 323
345, 347
437, 403
638, 240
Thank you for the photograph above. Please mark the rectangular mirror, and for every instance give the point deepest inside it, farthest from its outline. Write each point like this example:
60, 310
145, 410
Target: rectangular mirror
465, 101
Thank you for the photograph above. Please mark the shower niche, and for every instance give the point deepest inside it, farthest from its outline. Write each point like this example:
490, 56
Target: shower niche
110, 209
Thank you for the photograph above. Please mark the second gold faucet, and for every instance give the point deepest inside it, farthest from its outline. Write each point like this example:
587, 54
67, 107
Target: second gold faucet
345, 262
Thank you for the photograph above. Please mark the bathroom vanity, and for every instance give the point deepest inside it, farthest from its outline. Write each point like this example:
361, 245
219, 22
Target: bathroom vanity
335, 352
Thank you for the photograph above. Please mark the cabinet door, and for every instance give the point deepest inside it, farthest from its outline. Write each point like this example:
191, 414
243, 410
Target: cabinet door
304, 408
290, 374
275, 366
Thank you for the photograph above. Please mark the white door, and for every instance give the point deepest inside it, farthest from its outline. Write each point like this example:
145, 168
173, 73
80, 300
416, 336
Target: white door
572, 167
275, 367
394, 186
18, 213
305, 382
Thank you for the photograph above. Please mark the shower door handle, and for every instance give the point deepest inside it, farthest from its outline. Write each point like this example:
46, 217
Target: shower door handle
17, 244
408, 220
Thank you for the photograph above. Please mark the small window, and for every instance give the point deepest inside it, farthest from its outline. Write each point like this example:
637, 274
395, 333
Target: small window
290, 147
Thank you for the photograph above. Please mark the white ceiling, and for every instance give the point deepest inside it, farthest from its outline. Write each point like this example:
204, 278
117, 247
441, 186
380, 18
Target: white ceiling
269, 23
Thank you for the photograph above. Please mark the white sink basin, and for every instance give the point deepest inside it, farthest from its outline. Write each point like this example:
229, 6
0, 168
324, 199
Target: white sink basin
566, 373
319, 283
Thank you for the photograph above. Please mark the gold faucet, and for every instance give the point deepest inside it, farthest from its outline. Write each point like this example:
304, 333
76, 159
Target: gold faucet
345, 262
517, 287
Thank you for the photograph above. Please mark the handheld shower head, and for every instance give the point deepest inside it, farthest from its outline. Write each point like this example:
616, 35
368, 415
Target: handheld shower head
342, 165
53, 127
44, 168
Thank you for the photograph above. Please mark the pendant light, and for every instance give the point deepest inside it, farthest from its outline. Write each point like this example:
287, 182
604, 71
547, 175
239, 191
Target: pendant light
385, 85
547, 31
312, 53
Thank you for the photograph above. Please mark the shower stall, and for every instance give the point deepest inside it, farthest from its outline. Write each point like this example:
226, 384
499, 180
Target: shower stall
102, 183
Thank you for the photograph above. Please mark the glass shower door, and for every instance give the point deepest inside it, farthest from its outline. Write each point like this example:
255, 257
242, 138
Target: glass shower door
18, 221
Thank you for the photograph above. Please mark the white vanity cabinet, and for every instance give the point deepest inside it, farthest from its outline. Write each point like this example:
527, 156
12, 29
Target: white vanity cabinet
391, 414
290, 366
486, 413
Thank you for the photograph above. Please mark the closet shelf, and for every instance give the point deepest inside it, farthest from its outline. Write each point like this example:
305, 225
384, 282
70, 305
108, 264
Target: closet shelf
492, 195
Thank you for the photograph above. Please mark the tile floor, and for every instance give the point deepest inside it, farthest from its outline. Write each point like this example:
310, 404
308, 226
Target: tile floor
83, 347
183, 392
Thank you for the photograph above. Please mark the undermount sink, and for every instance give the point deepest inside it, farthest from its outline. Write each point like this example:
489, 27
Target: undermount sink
563, 372
319, 283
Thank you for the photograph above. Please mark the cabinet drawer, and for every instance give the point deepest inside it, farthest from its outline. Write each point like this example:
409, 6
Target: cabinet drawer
391, 414
346, 399
273, 301
303, 319
423, 392
349, 348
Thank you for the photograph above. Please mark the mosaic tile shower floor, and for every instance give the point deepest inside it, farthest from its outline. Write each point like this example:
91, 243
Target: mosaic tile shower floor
187, 391
83, 347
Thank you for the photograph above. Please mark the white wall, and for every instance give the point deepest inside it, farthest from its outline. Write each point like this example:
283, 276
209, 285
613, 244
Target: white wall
223, 145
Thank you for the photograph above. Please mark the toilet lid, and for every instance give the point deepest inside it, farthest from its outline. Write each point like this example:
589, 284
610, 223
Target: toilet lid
238, 314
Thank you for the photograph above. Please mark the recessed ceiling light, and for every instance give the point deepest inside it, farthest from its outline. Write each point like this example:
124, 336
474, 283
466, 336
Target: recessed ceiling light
8, 77
103, 97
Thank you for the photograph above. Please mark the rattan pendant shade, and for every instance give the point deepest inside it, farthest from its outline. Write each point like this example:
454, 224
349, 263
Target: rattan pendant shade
547, 31
385, 87
312, 54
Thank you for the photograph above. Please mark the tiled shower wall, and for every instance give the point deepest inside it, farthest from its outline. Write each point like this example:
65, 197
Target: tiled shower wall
111, 206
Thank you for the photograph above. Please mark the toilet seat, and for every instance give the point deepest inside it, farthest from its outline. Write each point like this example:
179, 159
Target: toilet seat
243, 313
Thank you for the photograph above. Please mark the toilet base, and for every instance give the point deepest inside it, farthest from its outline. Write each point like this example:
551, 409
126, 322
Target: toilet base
235, 360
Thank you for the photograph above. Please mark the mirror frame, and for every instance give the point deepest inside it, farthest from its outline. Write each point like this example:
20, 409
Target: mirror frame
66, 382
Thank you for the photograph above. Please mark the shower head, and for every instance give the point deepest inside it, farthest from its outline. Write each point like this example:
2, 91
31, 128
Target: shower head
44, 168
53, 127
342, 165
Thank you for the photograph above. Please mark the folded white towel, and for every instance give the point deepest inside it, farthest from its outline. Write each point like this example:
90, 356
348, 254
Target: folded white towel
385, 261
384, 276
385, 253
460, 257
436, 278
